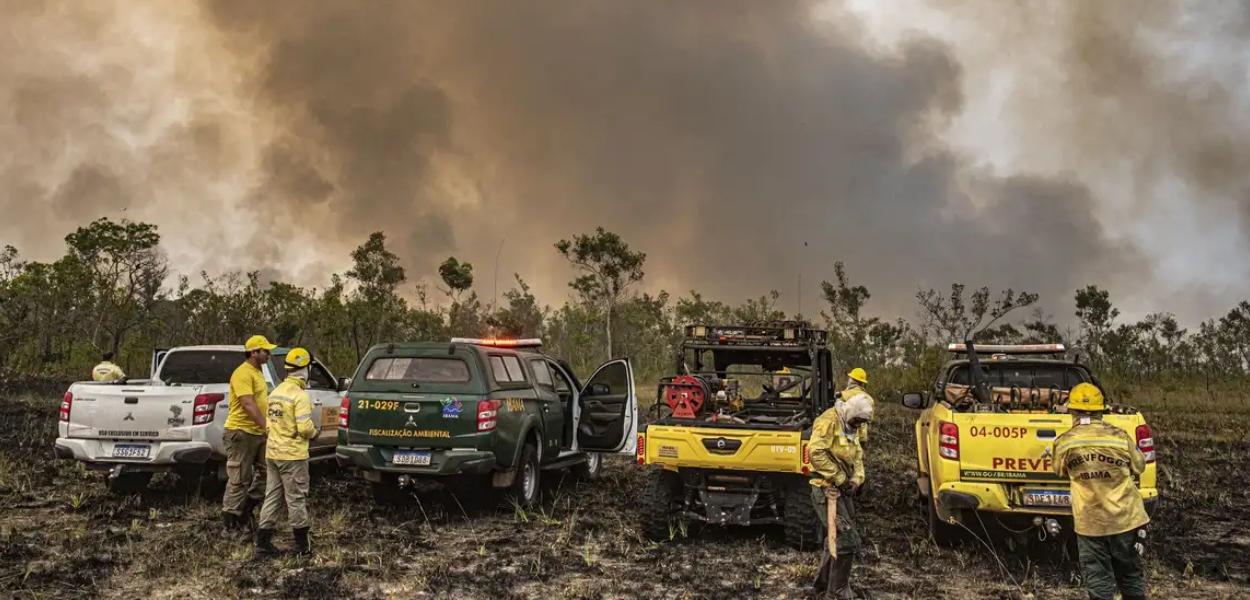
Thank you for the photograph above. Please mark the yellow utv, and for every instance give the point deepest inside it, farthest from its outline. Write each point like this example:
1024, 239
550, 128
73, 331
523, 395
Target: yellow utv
985, 438
727, 438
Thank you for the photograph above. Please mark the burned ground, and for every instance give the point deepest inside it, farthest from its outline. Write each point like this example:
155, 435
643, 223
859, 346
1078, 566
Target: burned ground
63, 536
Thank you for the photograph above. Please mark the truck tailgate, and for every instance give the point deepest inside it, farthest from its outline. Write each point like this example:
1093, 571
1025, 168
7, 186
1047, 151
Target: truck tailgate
725, 448
131, 412
414, 420
1006, 447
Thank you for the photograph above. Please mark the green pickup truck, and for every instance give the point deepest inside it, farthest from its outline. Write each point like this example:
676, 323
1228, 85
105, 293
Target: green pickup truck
471, 407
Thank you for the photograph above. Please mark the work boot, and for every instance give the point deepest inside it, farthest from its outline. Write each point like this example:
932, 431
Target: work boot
264, 544
246, 518
301, 547
824, 575
231, 522
841, 585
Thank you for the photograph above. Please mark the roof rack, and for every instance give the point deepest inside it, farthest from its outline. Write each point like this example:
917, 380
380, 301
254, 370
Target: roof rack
754, 335
956, 348
500, 343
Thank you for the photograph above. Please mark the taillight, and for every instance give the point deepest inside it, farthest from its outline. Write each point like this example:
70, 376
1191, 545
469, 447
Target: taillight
642, 449
204, 407
345, 407
1145, 442
67, 401
807, 460
487, 411
948, 440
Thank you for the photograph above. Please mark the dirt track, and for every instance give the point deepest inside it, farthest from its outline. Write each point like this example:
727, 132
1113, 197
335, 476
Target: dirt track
63, 536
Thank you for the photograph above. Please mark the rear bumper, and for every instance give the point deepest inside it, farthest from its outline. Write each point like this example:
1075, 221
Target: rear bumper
442, 462
993, 497
99, 453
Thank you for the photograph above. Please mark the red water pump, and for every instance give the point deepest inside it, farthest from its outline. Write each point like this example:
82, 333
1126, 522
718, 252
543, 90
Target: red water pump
685, 395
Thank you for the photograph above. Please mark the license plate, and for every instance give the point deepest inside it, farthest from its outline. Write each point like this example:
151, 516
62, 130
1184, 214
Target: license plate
329, 418
1047, 498
403, 457
131, 450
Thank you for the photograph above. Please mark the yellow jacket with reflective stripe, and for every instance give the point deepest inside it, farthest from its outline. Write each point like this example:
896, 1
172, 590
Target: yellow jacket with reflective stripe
107, 371
1101, 460
836, 456
851, 392
290, 421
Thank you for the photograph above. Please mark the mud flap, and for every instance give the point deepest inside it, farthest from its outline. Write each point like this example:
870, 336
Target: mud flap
502, 479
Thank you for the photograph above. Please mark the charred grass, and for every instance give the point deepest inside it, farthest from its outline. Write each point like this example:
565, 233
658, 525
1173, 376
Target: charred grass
63, 536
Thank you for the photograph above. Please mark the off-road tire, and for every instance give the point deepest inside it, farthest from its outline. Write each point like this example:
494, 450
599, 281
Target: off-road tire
199, 480
386, 492
659, 504
943, 534
589, 470
526, 487
128, 483
804, 528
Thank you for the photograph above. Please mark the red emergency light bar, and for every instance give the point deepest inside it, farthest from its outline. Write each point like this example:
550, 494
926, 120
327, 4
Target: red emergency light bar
1009, 348
500, 343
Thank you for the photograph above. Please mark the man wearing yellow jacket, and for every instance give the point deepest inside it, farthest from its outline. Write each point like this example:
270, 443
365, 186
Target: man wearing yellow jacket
838, 471
286, 457
1101, 461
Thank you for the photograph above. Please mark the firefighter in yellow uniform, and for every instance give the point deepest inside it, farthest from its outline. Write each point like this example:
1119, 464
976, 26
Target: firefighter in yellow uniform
106, 371
838, 471
855, 382
1101, 461
286, 457
244, 436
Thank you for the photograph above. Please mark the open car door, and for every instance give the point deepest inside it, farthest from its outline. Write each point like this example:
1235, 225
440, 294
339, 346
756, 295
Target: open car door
608, 410
158, 354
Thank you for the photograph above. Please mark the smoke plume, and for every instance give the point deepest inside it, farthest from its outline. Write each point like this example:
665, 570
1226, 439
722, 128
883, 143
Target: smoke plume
742, 145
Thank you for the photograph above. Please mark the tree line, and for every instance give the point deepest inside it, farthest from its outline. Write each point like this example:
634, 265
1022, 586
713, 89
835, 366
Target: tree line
111, 292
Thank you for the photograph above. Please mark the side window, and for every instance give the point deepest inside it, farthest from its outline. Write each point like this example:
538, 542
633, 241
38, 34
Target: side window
497, 369
541, 374
561, 382
319, 378
513, 365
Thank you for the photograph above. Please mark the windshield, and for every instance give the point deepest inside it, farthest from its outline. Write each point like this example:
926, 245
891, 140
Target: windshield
200, 366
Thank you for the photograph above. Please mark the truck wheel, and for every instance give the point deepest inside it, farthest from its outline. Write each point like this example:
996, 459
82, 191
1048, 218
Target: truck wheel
804, 528
660, 505
589, 470
942, 533
386, 492
525, 490
128, 483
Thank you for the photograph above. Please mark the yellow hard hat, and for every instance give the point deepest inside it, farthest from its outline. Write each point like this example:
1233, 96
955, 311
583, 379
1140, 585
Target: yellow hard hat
1086, 397
298, 358
859, 375
258, 342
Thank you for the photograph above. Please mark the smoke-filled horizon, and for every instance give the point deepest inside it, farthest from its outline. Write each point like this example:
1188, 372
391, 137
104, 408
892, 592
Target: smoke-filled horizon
741, 145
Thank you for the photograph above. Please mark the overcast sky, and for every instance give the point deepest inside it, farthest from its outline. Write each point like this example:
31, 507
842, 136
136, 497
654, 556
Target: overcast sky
1042, 145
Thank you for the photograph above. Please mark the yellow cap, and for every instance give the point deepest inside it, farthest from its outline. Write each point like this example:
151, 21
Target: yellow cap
859, 375
298, 358
1086, 397
258, 342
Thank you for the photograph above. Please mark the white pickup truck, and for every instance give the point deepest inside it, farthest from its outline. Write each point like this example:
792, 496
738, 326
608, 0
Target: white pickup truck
173, 421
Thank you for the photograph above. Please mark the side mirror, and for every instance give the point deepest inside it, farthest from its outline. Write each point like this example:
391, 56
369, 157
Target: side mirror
344, 383
599, 389
915, 400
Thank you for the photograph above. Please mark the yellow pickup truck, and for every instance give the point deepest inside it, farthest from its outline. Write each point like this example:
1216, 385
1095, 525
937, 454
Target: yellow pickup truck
985, 438
727, 439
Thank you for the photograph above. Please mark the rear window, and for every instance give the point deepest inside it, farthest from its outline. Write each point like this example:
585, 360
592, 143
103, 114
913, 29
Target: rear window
1025, 376
422, 369
192, 367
